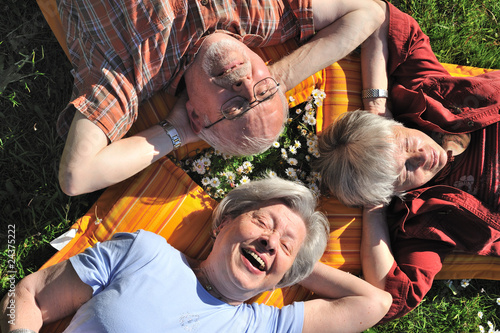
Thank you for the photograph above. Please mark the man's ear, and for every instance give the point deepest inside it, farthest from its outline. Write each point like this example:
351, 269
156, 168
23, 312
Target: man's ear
194, 118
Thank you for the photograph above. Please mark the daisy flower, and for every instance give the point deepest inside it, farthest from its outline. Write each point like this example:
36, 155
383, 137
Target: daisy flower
284, 155
205, 181
314, 188
215, 182
276, 144
199, 167
311, 120
292, 161
318, 94
244, 180
247, 167
206, 161
292, 149
230, 176
247, 164
290, 172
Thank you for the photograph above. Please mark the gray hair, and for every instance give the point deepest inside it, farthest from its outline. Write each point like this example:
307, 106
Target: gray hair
356, 160
296, 197
247, 145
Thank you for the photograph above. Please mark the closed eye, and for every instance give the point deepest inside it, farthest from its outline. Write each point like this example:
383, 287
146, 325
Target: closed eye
286, 248
264, 93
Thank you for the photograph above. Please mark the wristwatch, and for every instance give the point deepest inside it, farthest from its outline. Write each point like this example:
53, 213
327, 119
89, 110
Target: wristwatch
374, 93
171, 132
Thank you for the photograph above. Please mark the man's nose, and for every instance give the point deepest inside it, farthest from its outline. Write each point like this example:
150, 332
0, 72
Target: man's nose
244, 87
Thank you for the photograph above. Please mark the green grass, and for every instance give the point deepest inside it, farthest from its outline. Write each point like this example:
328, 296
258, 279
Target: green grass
35, 84
461, 32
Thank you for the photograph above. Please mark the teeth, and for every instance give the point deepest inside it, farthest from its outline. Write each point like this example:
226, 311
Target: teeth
257, 258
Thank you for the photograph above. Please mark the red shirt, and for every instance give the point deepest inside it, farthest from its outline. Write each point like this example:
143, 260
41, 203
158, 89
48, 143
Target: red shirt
476, 170
437, 219
121, 55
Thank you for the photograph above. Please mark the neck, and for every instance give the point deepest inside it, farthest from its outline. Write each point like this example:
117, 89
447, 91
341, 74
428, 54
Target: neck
207, 279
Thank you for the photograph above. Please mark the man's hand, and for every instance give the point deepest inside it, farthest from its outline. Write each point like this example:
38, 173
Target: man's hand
378, 106
178, 118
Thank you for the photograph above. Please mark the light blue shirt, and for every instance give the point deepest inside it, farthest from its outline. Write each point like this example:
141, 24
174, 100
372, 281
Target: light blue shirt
142, 284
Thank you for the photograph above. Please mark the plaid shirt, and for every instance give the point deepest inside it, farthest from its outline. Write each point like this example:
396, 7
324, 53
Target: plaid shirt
124, 51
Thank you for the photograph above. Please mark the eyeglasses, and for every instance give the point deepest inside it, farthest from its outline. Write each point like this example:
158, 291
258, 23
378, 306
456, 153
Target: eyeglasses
237, 106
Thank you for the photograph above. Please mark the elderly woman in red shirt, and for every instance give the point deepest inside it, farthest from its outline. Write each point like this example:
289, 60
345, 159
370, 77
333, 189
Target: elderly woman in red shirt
438, 174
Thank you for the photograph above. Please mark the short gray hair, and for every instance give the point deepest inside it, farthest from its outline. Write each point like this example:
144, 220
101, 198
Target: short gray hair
296, 197
356, 160
247, 145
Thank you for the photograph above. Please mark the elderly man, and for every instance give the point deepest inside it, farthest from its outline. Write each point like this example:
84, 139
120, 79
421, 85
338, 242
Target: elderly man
441, 171
124, 52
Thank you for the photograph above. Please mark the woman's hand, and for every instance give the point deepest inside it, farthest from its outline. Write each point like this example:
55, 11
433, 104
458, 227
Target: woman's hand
346, 303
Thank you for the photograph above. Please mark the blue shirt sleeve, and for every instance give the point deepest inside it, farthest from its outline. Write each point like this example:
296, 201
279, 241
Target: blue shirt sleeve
97, 266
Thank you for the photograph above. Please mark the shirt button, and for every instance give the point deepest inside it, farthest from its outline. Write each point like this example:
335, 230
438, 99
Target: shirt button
204, 2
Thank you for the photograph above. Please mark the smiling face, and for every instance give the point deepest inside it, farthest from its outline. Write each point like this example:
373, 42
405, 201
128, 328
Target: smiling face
225, 68
252, 252
418, 158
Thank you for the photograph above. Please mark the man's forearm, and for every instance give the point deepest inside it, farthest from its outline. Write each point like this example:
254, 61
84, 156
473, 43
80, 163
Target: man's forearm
330, 44
374, 56
89, 163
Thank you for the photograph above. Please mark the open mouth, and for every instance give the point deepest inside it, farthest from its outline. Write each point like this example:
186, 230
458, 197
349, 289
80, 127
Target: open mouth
254, 259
